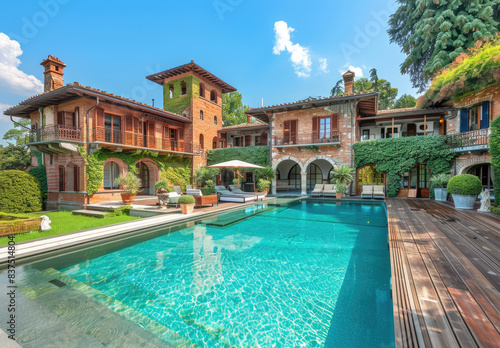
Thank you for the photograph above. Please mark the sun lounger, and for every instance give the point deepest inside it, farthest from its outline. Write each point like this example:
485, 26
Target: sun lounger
189, 187
379, 191
236, 189
367, 191
227, 196
329, 190
318, 190
178, 190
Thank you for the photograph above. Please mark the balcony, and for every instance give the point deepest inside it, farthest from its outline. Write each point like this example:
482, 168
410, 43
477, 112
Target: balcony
476, 140
123, 139
55, 133
308, 139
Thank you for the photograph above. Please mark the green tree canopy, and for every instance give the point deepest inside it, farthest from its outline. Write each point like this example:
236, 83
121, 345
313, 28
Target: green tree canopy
433, 33
338, 89
405, 101
15, 155
387, 92
233, 110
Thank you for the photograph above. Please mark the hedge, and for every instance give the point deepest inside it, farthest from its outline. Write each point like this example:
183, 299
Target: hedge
40, 173
259, 155
20, 192
465, 184
495, 156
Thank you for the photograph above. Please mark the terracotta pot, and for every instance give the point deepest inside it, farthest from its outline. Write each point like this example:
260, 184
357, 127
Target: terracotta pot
187, 208
264, 192
128, 198
338, 195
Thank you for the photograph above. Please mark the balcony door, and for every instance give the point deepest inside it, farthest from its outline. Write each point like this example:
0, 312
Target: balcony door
112, 128
290, 132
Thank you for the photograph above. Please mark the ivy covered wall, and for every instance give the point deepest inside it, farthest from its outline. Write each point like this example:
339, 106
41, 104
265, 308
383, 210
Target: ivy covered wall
399, 155
259, 155
40, 173
178, 103
173, 169
495, 157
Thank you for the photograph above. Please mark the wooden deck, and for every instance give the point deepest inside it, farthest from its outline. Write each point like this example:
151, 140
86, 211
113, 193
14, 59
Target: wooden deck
445, 275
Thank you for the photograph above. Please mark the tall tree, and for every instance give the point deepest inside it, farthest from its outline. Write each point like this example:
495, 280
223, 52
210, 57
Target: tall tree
15, 155
374, 79
433, 33
387, 92
233, 110
338, 89
405, 101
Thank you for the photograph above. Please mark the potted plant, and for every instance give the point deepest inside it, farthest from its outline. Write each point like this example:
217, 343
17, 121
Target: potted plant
464, 189
187, 203
131, 184
209, 183
340, 190
161, 185
263, 186
439, 182
342, 175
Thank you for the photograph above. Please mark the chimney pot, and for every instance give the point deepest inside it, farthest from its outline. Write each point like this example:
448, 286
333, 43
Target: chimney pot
348, 82
53, 73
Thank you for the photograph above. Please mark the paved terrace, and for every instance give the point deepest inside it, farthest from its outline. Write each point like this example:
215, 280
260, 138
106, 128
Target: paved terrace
445, 275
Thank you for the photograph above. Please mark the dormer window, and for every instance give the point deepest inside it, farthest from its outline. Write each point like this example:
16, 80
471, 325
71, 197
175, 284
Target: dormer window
171, 91
213, 96
183, 88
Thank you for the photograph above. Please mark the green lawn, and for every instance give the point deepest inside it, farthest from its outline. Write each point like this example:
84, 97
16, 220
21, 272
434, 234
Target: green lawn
66, 222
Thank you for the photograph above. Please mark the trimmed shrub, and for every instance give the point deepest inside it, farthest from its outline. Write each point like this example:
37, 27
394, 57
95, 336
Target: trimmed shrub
20, 192
465, 184
187, 199
495, 156
40, 173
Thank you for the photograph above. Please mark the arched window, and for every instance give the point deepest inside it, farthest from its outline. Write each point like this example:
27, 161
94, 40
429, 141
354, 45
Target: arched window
183, 88
171, 91
215, 120
202, 142
483, 172
314, 176
214, 143
201, 115
202, 90
294, 177
213, 96
111, 172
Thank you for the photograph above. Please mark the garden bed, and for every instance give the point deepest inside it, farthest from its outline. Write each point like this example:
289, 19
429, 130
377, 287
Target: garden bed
18, 223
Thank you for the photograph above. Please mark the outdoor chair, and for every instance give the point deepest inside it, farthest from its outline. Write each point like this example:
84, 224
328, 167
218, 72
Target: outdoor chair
227, 196
189, 187
367, 191
379, 191
318, 190
173, 198
329, 190
236, 189
178, 190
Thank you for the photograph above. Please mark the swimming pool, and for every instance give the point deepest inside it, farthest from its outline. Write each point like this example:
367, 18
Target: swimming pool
312, 274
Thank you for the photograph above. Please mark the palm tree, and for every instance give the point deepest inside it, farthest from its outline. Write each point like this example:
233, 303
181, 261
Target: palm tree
338, 90
342, 175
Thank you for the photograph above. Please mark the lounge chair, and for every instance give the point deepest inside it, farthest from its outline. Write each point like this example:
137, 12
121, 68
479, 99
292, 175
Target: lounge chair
227, 196
318, 190
367, 191
201, 199
178, 190
189, 187
173, 198
236, 189
329, 190
379, 191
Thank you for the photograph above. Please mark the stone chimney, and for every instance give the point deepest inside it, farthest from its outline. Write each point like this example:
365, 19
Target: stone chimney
348, 82
53, 73
249, 119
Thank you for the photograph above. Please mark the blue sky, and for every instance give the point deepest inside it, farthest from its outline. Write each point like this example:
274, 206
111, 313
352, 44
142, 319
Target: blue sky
281, 51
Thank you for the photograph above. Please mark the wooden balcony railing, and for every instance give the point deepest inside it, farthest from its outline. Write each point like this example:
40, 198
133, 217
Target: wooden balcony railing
470, 140
56, 132
332, 138
106, 135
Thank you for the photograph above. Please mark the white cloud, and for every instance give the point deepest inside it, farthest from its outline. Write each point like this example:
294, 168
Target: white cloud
300, 57
323, 65
4, 118
357, 71
10, 75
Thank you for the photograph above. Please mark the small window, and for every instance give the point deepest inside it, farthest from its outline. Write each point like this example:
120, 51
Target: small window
111, 172
171, 91
202, 90
201, 115
474, 118
215, 120
57, 68
213, 96
214, 143
61, 178
183, 88
202, 142
51, 159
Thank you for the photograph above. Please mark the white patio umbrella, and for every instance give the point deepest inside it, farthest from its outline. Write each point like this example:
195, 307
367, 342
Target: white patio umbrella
236, 164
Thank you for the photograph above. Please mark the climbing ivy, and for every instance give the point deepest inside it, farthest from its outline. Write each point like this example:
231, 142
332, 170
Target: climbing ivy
399, 155
259, 155
178, 103
40, 173
173, 169
495, 156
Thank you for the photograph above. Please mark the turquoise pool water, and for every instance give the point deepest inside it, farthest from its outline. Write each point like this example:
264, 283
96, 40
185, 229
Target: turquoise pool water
307, 275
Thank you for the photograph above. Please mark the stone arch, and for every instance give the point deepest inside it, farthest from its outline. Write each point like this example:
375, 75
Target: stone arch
286, 158
122, 168
326, 158
465, 166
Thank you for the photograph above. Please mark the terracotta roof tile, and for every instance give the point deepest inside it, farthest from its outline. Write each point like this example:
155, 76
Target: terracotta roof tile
245, 125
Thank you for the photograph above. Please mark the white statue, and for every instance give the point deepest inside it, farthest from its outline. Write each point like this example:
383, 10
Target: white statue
485, 201
44, 226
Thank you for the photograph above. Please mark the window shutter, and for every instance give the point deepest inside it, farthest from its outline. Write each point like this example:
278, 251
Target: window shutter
107, 175
77, 117
263, 139
100, 118
181, 133
60, 118
286, 130
315, 125
464, 120
293, 130
128, 124
76, 178
69, 118
485, 115
335, 122
248, 140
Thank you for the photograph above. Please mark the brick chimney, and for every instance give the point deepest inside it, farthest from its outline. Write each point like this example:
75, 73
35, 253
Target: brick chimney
249, 119
348, 82
53, 73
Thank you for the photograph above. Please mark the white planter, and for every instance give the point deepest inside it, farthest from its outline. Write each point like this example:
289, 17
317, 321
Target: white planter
464, 201
441, 194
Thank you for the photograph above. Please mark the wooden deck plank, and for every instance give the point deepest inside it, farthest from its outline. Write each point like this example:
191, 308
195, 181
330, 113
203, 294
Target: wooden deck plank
451, 262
